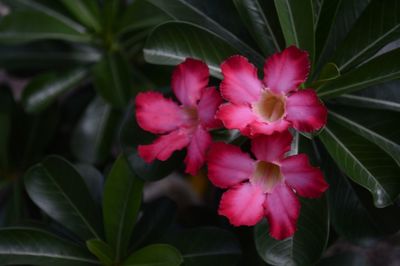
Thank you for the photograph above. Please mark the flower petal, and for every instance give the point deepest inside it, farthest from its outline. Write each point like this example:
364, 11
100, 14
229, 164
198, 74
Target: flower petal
263, 128
240, 84
196, 152
208, 105
189, 80
235, 116
228, 165
308, 181
285, 71
271, 148
242, 204
163, 147
305, 111
156, 114
282, 209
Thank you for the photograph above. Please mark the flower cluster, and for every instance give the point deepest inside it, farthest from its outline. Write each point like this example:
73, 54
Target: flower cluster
266, 182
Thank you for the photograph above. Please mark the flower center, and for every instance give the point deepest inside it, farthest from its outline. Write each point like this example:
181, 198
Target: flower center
191, 115
266, 176
270, 107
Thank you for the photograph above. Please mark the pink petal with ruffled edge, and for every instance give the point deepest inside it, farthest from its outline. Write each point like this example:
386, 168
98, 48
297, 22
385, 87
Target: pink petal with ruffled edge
242, 204
282, 209
308, 181
163, 147
263, 128
189, 80
156, 114
271, 148
305, 111
285, 71
228, 165
208, 105
235, 116
240, 84
196, 151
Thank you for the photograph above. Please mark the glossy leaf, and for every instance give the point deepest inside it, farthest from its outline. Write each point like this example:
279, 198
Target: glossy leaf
28, 26
382, 19
95, 132
85, 11
31, 246
172, 42
155, 255
94, 180
374, 125
364, 162
57, 188
307, 244
297, 23
378, 70
189, 11
205, 246
7, 107
43, 90
121, 203
254, 15
102, 251
112, 79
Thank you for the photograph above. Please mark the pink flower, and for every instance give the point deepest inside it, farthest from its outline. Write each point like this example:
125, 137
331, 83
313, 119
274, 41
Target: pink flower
266, 186
184, 125
272, 105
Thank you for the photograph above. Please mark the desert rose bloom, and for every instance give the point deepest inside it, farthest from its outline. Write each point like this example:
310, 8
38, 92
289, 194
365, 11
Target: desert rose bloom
267, 186
184, 125
273, 104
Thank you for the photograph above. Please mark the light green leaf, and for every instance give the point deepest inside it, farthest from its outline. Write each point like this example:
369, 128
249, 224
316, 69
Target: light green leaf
102, 251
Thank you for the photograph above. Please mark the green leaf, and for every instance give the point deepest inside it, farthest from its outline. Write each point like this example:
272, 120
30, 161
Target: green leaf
172, 42
112, 79
364, 162
7, 107
146, 171
205, 246
85, 11
374, 125
297, 22
378, 70
352, 212
260, 24
190, 11
95, 132
329, 72
122, 200
58, 189
155, 255
307, 244
102, 251
28, 26
382, 19
36, 247
43, 90
94, 180
347, 258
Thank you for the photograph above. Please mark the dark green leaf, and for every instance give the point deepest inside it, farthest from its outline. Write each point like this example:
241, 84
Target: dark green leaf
43, 90
112, 78
28, 25
155, 255
378, 70
94, 180
382, 19
95, 132
329, 72
58, 189
86, 11
172, 42
297, 22
364, 162
205, 246
189, 11
36, 247
254, 15
345, 259
122, 200
307, 244
102, 251
7, 107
